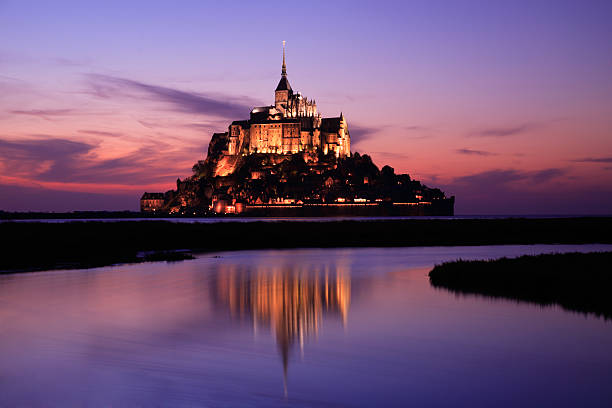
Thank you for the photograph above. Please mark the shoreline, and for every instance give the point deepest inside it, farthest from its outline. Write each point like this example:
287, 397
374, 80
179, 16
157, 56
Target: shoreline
86, 216
37, 246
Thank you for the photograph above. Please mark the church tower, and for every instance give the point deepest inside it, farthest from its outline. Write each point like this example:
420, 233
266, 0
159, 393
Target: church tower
283, 90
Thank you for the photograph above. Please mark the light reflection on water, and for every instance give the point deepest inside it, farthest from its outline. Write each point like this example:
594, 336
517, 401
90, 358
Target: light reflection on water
338, 327
290, 301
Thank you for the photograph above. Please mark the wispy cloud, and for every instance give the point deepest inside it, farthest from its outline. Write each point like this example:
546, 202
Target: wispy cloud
361, 133
46, 114
100, 133
389, 156
472, 152
491, 179
71, 62
213, 125
416, 132
67, 161
542, 176
415, 128
505, 131
224, 106
40, 157
594, 160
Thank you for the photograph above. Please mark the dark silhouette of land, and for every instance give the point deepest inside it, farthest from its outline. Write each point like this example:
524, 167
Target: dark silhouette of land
80, 215
28, 246
580, 282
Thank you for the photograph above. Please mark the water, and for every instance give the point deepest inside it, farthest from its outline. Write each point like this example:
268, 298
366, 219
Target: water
315, 327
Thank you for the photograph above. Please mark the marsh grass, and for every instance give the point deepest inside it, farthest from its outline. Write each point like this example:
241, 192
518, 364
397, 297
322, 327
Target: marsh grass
580, 282
84, 244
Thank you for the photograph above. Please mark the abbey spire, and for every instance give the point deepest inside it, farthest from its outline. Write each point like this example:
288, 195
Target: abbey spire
283, 84
284, 69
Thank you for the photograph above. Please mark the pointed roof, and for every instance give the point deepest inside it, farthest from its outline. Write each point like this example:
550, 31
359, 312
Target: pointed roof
283, 84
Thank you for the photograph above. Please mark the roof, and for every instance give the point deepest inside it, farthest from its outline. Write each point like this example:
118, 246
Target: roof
152, 196
331, 125
241, 123
263, 121
283, 84
307, 122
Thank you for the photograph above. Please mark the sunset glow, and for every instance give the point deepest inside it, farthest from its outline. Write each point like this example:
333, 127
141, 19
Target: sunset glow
507, 106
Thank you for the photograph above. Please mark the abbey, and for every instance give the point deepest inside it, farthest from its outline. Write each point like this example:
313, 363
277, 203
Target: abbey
291, 125
287, 160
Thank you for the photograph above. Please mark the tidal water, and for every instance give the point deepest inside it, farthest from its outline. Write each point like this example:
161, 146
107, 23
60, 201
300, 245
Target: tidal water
307, 327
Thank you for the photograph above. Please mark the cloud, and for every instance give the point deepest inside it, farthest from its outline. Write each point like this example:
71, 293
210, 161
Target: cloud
361, 133
416, 132
39, 156
100, 133
225, 106
514, 191
415, 128
43, 113
10, 85
491, 179
389, 156
505, 131
594, 160
473, 152
209, 126
543, 176
69, 62
66, 161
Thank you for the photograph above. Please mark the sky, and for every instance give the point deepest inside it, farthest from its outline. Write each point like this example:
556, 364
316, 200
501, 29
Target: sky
505, 104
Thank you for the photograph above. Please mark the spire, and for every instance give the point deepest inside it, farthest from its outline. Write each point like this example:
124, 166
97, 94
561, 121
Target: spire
284, 70
283, 84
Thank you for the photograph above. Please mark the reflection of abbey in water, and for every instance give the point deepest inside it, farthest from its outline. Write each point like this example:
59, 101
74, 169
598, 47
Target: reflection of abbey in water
291, 302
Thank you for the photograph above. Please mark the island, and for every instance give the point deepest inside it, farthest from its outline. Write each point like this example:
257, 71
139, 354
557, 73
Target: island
288, 160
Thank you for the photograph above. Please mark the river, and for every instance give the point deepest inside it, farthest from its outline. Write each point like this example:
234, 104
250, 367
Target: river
305, 327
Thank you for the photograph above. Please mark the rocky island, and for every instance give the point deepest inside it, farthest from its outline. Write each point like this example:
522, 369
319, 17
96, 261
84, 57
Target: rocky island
288, 160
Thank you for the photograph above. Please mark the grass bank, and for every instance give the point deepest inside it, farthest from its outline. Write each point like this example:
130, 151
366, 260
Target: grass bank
40, 246
580, 282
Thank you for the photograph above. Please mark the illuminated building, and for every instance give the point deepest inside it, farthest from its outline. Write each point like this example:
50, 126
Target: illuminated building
287, 160
151, 202
291, 125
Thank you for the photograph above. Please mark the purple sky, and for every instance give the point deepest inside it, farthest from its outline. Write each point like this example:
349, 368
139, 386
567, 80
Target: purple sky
507, 105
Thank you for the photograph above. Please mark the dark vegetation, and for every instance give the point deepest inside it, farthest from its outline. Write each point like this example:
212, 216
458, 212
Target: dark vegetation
40, 246
575, 281
75, 215
310, 178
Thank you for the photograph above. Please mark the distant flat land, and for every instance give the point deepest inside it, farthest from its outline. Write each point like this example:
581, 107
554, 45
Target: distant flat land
580, 282
28, 246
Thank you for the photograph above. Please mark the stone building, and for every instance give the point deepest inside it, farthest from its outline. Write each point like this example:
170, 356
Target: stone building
293, 124
151, 202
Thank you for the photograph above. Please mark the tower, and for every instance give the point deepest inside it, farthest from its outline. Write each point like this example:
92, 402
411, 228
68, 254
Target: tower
283, 90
